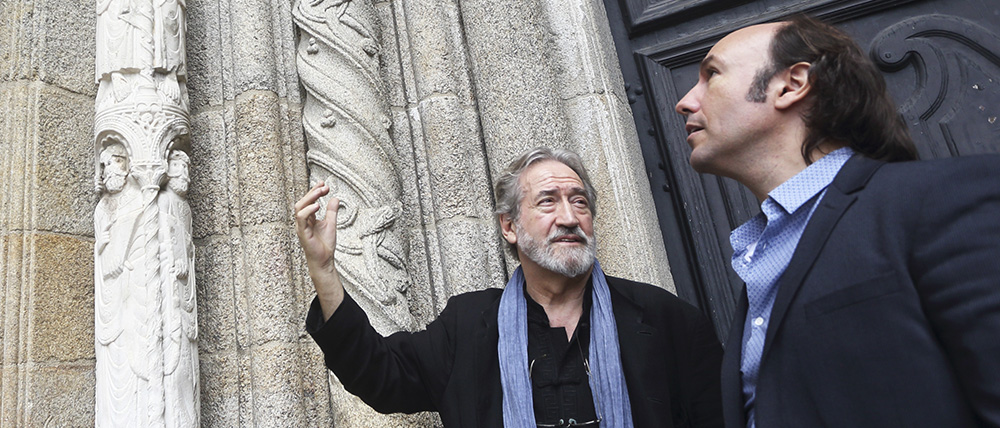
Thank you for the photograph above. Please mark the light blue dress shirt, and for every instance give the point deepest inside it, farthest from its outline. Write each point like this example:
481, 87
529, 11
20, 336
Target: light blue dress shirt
762, 248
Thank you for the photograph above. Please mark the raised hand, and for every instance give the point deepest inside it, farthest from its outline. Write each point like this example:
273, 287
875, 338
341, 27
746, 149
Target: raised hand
319, 242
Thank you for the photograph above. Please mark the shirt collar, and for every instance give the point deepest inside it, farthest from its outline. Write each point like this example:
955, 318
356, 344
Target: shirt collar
802, 187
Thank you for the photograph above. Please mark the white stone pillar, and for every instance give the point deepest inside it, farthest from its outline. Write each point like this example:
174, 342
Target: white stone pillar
144, 300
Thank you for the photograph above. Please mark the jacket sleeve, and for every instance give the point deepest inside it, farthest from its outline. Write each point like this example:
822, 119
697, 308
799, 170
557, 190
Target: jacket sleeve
404, 372
703, 386
955, 265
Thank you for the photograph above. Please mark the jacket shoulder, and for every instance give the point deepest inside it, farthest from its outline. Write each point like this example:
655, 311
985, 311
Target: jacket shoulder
650, 296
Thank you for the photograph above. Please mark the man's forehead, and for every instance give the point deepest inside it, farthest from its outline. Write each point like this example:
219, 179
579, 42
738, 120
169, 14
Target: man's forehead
549, 175
752, 42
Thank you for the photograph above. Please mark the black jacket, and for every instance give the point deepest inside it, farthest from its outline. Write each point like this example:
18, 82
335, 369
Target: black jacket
889, 312
670, 357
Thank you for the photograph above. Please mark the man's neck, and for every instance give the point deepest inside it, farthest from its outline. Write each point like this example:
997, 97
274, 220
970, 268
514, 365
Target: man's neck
783, 167
561, 297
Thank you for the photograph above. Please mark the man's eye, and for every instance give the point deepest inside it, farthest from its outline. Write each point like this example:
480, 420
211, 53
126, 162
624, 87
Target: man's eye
711, 72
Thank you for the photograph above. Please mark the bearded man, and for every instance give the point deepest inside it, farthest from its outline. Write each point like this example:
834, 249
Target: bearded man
561, 345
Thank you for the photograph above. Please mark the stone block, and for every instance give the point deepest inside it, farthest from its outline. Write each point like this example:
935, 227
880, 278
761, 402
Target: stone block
271, 298
215, 266
277, 385
516, 88
63, 189
211, 171
43, 40
437, 51
259, 160
474, 259
455, 159
47, 159
249, 41
63, 54
220, 389
60, 395
205, 55
63, 285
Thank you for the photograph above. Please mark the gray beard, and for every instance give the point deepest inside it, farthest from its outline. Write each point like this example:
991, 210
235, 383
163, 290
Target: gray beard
569, 262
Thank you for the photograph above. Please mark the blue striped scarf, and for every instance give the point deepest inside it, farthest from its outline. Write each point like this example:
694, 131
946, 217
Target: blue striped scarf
606, 380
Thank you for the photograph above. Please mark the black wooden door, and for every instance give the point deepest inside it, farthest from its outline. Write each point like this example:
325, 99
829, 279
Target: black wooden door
941, 59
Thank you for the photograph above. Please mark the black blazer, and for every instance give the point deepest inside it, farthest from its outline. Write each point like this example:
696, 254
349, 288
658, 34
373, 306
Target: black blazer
889, 312
670, 357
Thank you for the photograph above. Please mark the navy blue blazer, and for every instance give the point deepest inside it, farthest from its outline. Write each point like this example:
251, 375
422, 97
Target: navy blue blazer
889, 312
670, 358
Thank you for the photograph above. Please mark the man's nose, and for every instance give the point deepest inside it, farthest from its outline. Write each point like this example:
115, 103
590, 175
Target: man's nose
566, 215
688, 104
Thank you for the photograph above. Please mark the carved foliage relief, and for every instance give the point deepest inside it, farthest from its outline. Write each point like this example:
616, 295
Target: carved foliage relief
346, 122
145, 313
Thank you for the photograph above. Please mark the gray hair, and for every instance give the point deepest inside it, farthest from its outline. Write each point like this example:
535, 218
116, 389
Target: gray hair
508, 189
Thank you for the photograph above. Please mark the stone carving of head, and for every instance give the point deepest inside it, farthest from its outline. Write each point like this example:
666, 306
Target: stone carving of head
177, 172
115, 167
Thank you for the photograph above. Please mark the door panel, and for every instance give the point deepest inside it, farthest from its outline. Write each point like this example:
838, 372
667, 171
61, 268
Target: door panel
941, 60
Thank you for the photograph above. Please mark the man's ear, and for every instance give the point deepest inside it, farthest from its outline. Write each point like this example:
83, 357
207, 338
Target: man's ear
794, 86
507, 229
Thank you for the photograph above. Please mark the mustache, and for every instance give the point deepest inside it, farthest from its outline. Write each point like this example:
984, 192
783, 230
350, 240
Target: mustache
563, 231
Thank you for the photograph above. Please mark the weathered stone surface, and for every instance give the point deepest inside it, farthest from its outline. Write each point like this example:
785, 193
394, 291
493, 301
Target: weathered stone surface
439, 60
48, 168
259, 160
458, 174
218, 328
471, 262
220, 393
516, 88
277, 385
205, 55
63, 284
60, 395
266, 283
64, 183
43, 40
212, 172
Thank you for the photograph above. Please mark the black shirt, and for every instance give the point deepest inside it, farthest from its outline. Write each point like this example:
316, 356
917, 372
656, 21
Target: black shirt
560, 386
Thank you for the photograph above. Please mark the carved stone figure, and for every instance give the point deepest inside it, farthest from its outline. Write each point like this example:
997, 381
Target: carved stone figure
119, 298
180, 317
346, 120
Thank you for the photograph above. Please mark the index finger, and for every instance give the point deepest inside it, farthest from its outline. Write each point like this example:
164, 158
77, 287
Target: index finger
312, 196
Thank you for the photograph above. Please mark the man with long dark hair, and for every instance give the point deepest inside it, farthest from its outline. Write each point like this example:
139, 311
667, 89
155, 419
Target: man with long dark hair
872, 293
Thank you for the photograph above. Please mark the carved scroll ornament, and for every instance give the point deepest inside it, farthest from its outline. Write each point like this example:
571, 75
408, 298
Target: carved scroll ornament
346, 121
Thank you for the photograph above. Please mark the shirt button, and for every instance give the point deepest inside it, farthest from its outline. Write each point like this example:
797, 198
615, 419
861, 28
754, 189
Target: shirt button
759, 321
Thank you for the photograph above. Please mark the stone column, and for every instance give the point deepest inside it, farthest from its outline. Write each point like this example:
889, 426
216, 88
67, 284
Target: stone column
144, 278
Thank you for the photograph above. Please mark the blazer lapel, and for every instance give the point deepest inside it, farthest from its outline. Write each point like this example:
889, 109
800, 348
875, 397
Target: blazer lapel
839, 197
637, 341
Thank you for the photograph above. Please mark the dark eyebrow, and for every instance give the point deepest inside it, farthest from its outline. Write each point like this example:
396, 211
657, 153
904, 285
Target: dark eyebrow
708, 59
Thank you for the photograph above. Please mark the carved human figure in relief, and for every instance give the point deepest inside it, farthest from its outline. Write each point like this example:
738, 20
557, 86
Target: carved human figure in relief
118, 296
180, 316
